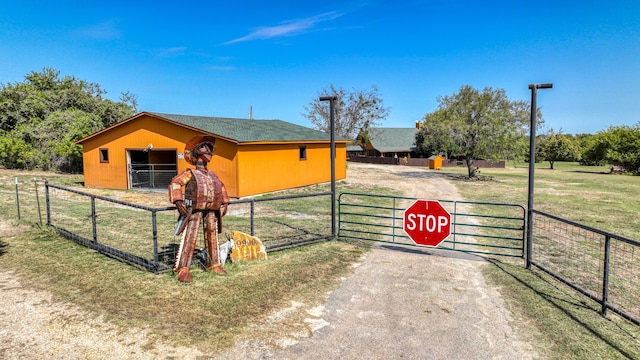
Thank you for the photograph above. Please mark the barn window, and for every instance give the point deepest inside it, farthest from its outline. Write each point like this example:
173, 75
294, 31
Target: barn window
303, 153
104, 155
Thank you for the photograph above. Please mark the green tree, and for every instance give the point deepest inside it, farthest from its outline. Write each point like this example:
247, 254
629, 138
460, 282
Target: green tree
618, 145
42, 117
434, 139
594, 150
355, 111
554, 147
626, 147
478, 125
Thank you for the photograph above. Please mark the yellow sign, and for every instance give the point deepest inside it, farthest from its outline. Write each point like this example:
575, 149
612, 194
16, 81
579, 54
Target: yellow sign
247, 247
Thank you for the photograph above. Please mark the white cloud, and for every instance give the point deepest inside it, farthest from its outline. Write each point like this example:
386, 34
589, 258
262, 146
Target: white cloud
287, 28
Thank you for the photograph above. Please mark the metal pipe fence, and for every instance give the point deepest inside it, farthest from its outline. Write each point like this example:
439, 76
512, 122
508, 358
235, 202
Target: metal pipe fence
152, 176
144, 236
476, 227
602, 266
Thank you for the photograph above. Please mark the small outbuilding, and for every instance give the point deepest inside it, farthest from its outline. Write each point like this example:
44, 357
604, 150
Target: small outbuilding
435, 162
251, 156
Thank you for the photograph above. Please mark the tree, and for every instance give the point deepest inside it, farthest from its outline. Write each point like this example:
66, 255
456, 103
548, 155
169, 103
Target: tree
594, 150
618, 145
554, 147
625, 147
42, 117
355, 111
478, 125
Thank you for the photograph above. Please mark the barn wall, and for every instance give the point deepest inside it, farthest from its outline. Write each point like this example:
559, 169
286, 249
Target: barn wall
264, 168
245, 169
137, 135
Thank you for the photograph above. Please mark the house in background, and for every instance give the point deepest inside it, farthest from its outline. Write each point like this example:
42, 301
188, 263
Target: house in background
251, 156
389, 144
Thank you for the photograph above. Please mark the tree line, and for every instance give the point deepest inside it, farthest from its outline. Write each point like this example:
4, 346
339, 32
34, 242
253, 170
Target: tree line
480, 124
488, 125
618, 145
42, 117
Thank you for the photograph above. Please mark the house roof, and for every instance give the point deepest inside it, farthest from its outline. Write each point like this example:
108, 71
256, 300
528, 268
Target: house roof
355, 147
240, 130
393, 139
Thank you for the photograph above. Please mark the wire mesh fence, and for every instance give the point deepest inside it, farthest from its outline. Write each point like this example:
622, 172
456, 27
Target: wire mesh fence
603, 266
145, 236
23, 199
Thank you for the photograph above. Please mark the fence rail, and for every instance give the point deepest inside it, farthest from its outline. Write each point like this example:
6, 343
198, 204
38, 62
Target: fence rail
152, 176
144, 236
602, 266
476, 227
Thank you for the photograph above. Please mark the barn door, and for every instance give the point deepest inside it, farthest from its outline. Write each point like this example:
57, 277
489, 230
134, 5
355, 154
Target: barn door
151, 169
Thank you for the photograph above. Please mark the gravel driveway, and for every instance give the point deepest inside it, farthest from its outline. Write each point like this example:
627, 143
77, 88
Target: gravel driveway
398, 303
415, 303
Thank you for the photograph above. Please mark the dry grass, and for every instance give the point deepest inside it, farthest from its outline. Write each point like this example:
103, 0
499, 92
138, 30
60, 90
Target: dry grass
214, 311
210, 313
570, 321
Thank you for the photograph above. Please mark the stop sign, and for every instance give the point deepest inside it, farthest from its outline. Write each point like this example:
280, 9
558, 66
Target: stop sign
427, 222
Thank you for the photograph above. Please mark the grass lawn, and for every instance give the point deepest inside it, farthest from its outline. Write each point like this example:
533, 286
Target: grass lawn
569, 323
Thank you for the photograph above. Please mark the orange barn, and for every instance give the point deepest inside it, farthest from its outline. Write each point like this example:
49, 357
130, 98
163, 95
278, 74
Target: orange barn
251, 156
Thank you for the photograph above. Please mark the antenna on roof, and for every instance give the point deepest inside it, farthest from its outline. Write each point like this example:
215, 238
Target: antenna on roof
250, 112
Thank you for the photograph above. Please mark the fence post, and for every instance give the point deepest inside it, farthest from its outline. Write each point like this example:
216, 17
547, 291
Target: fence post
252, 212
154, 226
47, 202
605, 274
35, 184
93, 218
17, 198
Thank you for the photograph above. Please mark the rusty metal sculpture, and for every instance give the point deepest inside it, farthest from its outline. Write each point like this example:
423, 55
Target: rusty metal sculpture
200, 197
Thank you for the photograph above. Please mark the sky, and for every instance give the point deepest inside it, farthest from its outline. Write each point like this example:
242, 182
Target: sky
221, 59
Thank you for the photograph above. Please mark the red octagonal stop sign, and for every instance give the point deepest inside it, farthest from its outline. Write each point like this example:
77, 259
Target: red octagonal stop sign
427, 222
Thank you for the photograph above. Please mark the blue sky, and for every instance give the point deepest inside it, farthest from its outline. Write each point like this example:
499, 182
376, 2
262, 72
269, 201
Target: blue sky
218, 58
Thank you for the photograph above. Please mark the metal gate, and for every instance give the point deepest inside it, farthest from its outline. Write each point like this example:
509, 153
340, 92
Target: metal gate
151, 176
476, 227
151, 169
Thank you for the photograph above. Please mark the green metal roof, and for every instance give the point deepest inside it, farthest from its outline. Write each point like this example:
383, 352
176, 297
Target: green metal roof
393, 139
355, 147
246, 130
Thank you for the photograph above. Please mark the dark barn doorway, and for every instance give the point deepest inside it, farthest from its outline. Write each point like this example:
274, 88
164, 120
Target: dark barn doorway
150, 168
